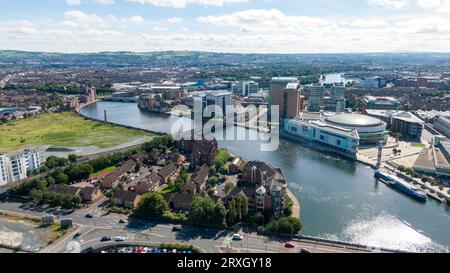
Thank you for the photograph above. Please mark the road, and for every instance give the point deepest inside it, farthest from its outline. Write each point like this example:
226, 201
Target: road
152, 233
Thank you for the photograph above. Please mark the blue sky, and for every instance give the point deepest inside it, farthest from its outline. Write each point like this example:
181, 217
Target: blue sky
261, 26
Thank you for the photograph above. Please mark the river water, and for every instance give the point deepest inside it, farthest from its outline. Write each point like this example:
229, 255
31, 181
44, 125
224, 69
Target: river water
339, 199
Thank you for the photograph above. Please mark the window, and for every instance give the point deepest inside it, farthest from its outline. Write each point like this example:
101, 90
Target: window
322, 137
338, 142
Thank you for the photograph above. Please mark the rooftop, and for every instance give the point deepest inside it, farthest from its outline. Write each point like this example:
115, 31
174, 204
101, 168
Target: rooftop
356, 120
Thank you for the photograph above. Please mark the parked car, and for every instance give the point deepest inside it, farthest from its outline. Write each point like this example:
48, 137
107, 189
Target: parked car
120, 239
89, 215
121, 221
237, 237
105, 238
78, 234
289, 244
304, 250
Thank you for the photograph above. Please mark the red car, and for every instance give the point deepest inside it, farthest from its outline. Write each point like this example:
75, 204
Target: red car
289, 244
139, 250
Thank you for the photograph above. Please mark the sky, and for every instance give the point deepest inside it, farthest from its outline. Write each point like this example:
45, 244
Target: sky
237, 26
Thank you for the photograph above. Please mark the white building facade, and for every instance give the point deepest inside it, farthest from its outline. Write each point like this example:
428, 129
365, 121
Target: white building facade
17, 165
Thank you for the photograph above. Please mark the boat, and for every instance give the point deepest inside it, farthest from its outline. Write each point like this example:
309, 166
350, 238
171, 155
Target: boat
401, 185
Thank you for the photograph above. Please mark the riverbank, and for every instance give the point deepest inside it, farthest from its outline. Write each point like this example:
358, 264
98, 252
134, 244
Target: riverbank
296, 207
340, 198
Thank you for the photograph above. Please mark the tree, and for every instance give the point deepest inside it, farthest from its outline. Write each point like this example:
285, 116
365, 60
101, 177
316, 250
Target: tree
79, 172
205, 212
237, 209
72, 158
59, 176
137, 167
213, 181
224, 170
152, 205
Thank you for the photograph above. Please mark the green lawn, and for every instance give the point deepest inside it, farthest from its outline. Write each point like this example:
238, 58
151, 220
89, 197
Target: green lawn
109, 169
65, 130
417, 145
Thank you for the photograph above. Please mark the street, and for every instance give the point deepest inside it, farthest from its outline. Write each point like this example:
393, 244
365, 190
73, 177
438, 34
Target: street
146, 232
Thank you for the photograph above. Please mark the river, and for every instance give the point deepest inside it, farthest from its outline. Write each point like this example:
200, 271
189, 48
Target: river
339, 199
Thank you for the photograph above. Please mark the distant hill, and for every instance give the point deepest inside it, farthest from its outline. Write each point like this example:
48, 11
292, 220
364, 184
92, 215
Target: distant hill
11, 58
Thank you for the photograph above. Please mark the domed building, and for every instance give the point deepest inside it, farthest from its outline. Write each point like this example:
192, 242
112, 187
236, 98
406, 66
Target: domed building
370, 130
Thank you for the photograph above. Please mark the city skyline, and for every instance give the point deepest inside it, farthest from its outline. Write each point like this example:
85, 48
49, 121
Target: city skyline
235, 26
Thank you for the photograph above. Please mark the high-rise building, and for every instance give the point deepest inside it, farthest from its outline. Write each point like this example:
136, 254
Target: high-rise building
317, 94
285, 92
15, 166
245, 88
327, 99
4, 171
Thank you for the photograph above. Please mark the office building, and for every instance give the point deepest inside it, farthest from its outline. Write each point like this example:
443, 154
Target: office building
285, 93
210, 98
245, 88
330, 99
380, 103
442, 125
407, 124
373, 82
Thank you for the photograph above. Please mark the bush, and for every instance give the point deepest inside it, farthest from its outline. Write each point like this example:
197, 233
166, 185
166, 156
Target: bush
152, 205
72, 158
213, 181
286, 225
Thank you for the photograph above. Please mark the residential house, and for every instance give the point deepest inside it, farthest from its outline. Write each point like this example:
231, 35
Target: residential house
90, 194
200, 178
179, 201
150, 184
127, 199
112, 180
166, 172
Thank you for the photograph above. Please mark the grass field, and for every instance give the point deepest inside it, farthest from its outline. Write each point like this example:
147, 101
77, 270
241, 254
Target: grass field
417, 145
109, 169
65, 130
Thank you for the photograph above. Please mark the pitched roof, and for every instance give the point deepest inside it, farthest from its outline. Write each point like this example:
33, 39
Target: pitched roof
64, 189
114, 176
168, 170
126, 195
201, 175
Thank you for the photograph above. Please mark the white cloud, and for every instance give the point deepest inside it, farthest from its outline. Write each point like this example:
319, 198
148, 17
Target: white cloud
439, 6
254, 30
104, 2
175, 20
134, 19
394, 4
184, 3
73, 2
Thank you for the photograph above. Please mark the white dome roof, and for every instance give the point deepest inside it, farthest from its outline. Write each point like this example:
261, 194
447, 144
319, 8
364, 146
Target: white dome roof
353, 120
